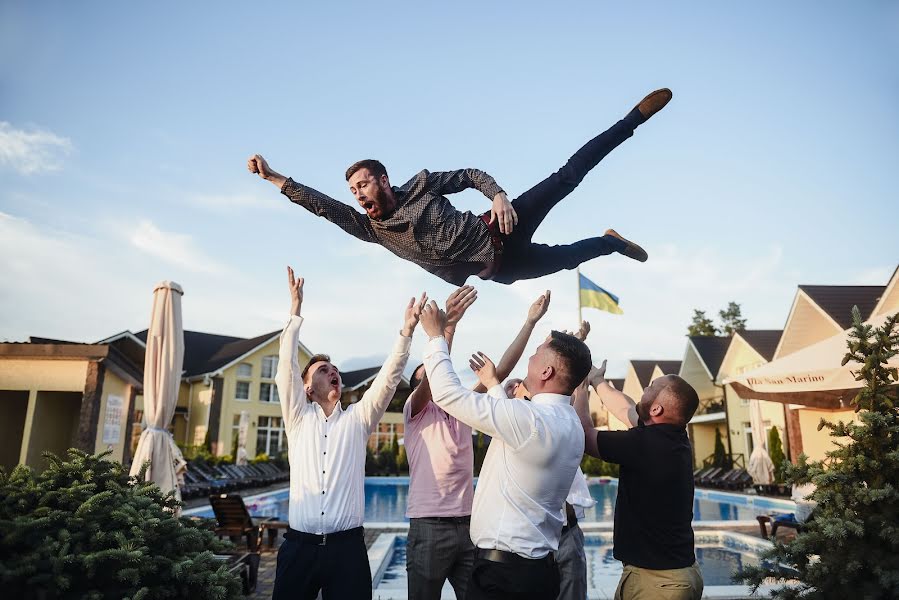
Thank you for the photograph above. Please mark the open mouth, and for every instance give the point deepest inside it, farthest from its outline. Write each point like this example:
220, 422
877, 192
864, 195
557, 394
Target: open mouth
335, 382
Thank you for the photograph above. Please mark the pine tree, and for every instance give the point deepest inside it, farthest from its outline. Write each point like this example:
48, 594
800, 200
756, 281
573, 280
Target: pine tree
732, 319
84, 529
850, 546
701, 324
776, 453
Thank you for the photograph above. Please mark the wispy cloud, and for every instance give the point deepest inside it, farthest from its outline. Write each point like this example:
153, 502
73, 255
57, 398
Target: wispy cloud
175, 248
33, 151
241, 202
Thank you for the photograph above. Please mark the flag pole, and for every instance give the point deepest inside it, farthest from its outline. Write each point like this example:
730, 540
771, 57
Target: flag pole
580, 318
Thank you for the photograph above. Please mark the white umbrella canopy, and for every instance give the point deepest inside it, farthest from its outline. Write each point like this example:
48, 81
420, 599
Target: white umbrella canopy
760, 465
242, 430
163, 365
813, 376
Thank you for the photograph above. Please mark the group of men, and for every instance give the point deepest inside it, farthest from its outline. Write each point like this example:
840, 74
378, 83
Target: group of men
516, 534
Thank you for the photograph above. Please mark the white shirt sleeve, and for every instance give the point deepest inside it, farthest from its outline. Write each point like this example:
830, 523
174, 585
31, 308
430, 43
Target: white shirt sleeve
375, 400
291, 391
510, 420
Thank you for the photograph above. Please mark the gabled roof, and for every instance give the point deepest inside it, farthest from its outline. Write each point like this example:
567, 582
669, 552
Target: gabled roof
618, 384
669, 367
711, 350
763, 341
209, 352
837, 300
643, 369
353, 380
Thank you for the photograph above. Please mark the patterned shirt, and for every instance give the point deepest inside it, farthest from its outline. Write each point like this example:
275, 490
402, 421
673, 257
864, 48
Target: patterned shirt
425, 228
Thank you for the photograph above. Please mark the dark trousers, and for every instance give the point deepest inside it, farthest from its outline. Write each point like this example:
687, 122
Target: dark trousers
437, 550
522, 258
524, 580
339, 568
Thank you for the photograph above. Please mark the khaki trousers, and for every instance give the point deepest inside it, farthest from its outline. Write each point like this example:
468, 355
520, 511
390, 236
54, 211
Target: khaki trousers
648, 584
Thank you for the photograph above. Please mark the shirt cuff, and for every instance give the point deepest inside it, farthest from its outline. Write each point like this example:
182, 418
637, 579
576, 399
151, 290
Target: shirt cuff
435, 345
289, 186
295, 321
491, 190
497, 391
401, 346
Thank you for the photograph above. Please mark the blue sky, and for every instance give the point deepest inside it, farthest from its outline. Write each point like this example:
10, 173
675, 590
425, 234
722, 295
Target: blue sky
125, 129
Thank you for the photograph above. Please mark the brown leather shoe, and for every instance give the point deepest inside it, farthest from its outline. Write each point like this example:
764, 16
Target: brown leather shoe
632, 250
654, 102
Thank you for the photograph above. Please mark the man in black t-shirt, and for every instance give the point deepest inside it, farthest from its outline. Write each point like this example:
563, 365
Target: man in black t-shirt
654, 511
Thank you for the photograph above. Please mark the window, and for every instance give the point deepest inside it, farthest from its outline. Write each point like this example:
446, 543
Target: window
269, 367
268, 392
242, 392
244, 370
269, 436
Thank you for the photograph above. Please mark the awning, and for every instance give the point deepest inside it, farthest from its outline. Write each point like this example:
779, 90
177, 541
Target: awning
813, 376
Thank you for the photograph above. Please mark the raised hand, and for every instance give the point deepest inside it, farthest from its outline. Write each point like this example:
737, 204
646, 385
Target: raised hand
257, 164
597, 375
583, 331
484, 368
503, 212
458, 302
296, 292
433, 320
413, 314
538, 308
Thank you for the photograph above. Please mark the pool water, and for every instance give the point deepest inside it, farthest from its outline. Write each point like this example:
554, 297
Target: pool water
720, 555
386, 497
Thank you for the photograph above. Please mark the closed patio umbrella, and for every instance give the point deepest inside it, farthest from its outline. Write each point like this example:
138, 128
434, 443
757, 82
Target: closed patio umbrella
242, 430
163, 365
760, 466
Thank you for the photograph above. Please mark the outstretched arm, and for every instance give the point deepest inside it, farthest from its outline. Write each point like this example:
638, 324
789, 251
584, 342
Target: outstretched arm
513, 353
581, 402
291, 391
619, 404
342, 215
375, 401
456, 305
509, 420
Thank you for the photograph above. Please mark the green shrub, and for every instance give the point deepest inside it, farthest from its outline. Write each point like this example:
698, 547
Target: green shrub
84, 529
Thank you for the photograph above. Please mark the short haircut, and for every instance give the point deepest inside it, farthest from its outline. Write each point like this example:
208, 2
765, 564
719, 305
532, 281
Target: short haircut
684, 396
415, 380
576, 358
315, 358
374, 166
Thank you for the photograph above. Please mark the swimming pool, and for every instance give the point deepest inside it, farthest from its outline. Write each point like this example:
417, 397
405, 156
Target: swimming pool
385, 502
720, 554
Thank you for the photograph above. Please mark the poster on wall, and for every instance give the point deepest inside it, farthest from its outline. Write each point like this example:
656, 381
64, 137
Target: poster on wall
112, 425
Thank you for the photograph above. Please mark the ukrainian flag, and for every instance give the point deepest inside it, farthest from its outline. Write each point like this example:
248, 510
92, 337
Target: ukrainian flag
593, 296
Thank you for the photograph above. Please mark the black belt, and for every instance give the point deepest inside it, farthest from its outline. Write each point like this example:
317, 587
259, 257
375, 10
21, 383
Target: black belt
465, 519
501, 556
321, 539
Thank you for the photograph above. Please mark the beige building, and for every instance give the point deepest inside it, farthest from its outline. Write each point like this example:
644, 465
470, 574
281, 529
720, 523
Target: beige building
748, 350
702, 361
56, 395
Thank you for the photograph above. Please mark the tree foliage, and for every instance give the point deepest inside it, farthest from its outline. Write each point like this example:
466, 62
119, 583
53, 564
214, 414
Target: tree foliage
84, 529
732, 319
776, 453
850, 546
701, 325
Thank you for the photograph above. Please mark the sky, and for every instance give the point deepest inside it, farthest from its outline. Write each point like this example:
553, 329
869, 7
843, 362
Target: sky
125, 130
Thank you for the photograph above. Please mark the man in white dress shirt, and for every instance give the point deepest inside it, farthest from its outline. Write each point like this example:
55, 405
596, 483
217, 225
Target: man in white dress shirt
324, 549
530, 464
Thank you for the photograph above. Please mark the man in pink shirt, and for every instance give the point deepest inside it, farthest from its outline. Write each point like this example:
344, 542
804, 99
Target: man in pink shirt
441, 461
